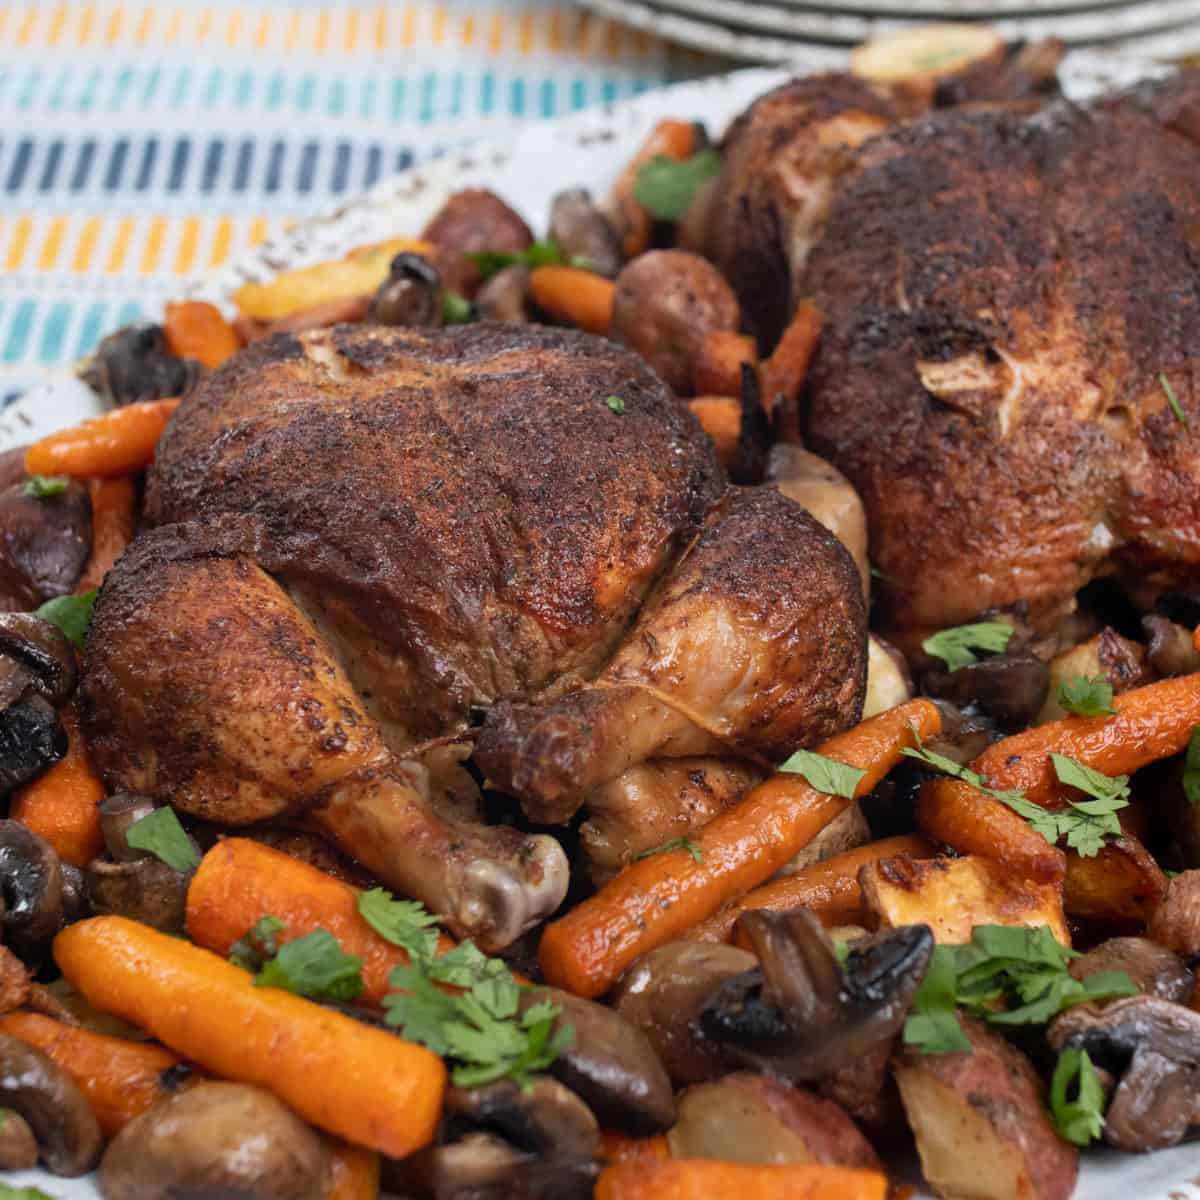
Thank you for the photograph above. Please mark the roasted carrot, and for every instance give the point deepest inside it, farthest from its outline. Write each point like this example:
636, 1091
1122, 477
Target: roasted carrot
61, 805
363, 1084
118, 442
782, 376
718, 370
618, 1147
668, 139
583, 298
972, 822
121, 1079
1196, 638
112, 528
721, 418
1151, 722
353, 1171
240, 881
708, 1179
660, 898
829, 889
196, 329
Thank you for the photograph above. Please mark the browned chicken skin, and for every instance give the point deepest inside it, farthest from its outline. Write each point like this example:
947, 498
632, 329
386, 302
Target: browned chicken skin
367, 536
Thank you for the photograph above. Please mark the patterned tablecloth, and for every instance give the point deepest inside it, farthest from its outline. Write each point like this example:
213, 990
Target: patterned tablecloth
144, 141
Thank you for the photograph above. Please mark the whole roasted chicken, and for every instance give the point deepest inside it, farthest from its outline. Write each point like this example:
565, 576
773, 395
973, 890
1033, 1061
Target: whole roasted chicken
378, 553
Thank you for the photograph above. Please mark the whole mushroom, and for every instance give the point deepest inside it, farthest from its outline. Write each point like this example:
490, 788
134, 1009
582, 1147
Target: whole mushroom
31, 885
135, 364
410, 295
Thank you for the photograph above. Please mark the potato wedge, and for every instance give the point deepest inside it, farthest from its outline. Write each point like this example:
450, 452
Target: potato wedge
888, 680
1122, 884
358, 274
981, 1125
848, 830
1117, 659
953, 895
926, 54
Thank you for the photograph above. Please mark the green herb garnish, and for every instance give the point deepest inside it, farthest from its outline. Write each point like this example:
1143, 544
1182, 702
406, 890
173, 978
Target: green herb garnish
456, 309
71, 614
1079, 1120
1172, 399
404, 923
665, 186
825, 774
1191, 767
956, 647
932, 1025
43, 486
1086, 697
313, 965
257, 944
8, 1192
680, 843
543, 253
615, 403
482, 1030
160, 833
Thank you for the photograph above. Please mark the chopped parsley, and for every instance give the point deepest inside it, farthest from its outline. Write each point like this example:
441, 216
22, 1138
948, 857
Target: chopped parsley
1172, 399
484, 1030
680, 843
43, 486
665, 186
456, 308
1006, 976
8, 1192
160, 833
1191, 767
71, 614
404, 923
257, 944
1081, 1119
1086, 697
825, 774
957, 647
615, 403
543, 253
313, 965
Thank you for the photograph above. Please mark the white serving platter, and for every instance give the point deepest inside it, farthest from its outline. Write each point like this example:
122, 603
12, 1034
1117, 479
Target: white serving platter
584, 150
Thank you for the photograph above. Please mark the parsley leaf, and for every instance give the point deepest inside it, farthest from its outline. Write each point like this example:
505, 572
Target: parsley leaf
616, 404
932, 1025
664, 186
1191, 767
456, 308
160, 833
404, 923
257, 944
8, 1192
1086, 822
314, 965
543, 253
42, 486
1079, 1120
825, 774
71, 614
1086, 779
1086, 697
956, 647
1172, 399
681, 843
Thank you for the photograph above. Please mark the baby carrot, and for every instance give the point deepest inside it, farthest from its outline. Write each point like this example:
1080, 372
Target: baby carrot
354, 1172
121, 1079
972, 822
721, 418
350, 1079
240, 881
112, 528
583, 298
718, 370
708, 1179
782, 376
659, 898
61, 805
668, 139
830, 889
1151, 722
118, 442
618, 1147
196, 329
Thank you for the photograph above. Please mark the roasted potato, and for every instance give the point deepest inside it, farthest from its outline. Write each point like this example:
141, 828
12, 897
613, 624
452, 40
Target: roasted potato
1122, 884
1117, 659
980, 1122
927, 55
846, 831
888, 680
471, 221
953, 895
1176, 923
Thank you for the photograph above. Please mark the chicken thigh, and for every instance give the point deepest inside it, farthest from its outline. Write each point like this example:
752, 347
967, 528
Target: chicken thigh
367, 541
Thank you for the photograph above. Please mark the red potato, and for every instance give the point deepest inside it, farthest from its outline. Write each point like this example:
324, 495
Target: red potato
980, 1122
1176, 923
471, 221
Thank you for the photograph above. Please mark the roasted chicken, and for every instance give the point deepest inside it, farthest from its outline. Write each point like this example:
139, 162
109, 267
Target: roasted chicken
366, 541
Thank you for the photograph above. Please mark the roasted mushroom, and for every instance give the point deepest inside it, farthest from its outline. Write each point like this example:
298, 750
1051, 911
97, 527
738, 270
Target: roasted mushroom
1010, 688
18, 1146
31, 885
663, 993
43, 650
216, 1139
44, 542
1169, 649
135, 364
1176, 921
582, 231
410, 295
55, 1110
145, 889
1152, 1048
1153, 968
505, 297
802, 1014
117, 814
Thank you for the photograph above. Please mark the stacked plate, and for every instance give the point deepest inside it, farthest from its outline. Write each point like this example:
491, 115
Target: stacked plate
819, 33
